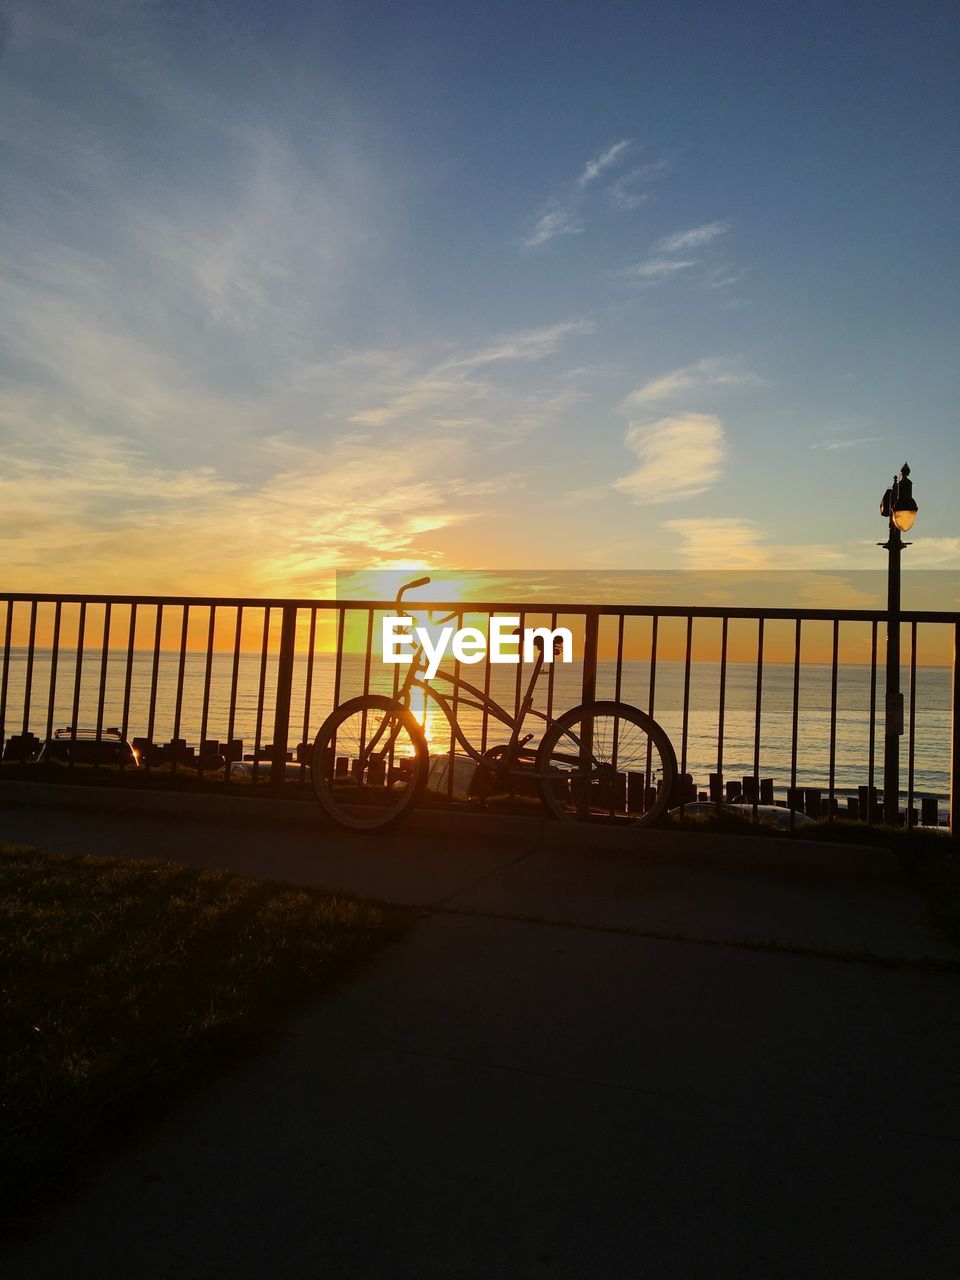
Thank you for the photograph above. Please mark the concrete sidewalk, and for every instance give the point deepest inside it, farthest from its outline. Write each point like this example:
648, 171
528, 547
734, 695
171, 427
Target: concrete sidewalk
504, 1098
796, 895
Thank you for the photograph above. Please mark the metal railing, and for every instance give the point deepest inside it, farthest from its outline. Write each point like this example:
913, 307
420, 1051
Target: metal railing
204, 669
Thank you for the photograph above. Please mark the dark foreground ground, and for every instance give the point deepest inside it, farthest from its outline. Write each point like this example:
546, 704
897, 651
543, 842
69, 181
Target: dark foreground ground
673, 1065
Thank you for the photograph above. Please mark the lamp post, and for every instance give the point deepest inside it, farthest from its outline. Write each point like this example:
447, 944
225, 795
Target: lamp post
898, 506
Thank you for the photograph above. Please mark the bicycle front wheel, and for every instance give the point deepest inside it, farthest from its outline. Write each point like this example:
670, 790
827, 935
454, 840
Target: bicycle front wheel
608, 762
370, 762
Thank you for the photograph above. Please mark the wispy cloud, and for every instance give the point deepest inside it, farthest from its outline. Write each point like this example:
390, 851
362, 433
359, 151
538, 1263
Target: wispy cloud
729, 542
857, 443
311, 508
936, 552
733, 542
159, 311
561, 215
713, 542
662, 263
652, 270
454, 392
692, 237
680, 456
557, 222
604, 161
925, 553
699, 376
173, 374
531, 344
628, 190
724, 274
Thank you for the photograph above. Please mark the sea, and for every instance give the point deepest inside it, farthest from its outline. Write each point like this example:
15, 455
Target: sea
253, 715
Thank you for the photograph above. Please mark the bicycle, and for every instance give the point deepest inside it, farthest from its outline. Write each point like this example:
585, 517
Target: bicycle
599, 762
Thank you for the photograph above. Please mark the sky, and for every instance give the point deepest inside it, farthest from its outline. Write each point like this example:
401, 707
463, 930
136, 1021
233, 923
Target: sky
295, 289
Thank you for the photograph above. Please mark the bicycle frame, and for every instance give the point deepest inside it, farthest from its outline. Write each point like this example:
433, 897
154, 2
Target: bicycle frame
565, 756
484, 703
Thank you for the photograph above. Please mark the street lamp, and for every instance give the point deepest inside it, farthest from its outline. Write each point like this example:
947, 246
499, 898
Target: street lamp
898, 503
900, 509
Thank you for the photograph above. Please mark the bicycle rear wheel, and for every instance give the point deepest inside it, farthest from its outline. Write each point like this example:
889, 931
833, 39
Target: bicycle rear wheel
609, 762
370, 762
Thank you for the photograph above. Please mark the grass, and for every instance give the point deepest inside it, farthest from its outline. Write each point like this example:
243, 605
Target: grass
123, 982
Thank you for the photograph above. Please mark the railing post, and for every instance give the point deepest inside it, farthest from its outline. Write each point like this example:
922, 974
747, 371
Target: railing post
281, 716
588, 693
955, 739
590, 639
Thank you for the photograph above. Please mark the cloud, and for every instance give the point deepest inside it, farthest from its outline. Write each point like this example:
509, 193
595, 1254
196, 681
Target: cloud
561, 215
166, 424
714, 542
167, 309
934, 553
680, 456
416, 397
652, 270
698, 376
693, 237
723, 275
530, 344
662, 263
558, 222
624, 190
832, 445
453, 392
604, 161
177, 411
729, 542
307, 509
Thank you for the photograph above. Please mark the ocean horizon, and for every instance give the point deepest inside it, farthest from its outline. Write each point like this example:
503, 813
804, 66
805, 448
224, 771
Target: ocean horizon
932, 713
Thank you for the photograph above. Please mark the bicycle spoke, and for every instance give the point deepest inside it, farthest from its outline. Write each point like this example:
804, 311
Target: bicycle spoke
369, 762
601, 765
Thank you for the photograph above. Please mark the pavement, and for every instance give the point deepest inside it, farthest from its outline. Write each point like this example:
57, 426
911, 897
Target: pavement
705, 1058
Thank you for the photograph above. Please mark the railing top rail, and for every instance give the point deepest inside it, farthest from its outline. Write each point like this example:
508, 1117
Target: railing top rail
944, 616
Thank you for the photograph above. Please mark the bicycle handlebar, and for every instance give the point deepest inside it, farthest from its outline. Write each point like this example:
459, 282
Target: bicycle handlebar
422, 582
411, 586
